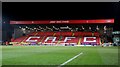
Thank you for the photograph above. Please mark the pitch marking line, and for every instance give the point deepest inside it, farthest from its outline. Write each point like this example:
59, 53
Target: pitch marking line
70, 59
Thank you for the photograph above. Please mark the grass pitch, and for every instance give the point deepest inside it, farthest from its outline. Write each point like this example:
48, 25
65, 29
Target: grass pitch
56, 55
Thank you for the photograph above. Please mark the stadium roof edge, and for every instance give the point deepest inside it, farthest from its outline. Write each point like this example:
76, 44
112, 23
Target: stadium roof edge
96, 21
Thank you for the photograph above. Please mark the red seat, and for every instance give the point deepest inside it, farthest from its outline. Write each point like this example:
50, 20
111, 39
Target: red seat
60, 37
96, 34
66, 33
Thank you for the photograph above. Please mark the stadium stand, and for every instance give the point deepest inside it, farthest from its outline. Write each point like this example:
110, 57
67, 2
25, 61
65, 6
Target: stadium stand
72, 32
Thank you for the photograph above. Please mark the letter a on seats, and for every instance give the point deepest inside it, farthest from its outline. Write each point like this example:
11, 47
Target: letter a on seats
50, 38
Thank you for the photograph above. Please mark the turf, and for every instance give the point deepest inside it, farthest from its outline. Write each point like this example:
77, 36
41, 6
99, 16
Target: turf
0, 56
56, 55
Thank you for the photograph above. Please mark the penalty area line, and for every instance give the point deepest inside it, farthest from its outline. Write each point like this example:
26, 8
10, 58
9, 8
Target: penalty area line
70, 59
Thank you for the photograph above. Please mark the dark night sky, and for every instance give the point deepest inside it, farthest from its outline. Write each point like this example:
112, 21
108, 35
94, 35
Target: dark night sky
51, 11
